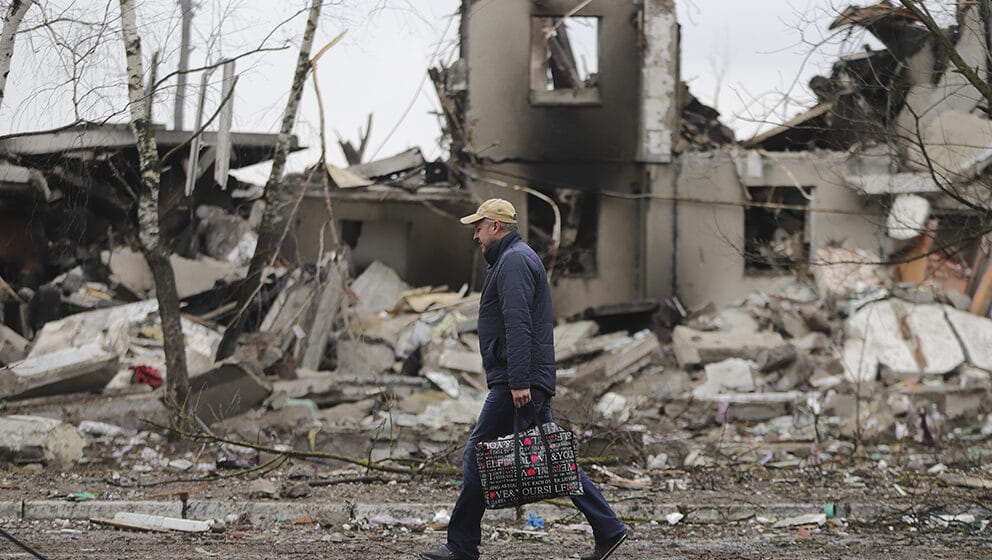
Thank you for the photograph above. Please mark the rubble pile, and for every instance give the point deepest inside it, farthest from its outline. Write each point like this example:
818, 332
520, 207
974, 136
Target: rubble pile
399, 375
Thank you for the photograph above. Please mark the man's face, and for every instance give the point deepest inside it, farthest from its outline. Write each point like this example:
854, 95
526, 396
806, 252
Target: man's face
485, 233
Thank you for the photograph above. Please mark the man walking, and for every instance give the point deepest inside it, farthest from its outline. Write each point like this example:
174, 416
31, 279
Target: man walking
516, 339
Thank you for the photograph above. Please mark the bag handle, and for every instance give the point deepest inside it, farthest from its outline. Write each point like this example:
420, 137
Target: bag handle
516, 452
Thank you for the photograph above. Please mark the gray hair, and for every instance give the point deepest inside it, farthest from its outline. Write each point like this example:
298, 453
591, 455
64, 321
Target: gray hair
507, 227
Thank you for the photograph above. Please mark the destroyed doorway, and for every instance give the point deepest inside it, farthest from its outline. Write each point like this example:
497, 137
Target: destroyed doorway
777, 230
564, 62
377, 240
579, 231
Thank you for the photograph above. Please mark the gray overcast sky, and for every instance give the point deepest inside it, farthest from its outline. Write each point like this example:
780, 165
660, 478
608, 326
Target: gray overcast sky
742, 57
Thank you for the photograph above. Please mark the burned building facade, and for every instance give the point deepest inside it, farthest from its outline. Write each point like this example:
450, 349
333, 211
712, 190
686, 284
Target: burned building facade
633, 191
572, 113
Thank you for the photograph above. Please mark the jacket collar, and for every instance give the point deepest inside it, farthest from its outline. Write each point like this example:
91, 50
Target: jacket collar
493, 253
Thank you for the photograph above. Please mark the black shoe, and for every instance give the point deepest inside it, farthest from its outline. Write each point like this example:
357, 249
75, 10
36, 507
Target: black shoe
441, 554
605, 549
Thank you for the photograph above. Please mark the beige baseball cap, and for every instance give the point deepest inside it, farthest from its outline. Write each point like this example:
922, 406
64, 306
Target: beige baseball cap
494, 209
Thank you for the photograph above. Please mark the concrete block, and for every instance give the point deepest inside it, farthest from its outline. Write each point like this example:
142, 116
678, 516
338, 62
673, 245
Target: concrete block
612, 366
694, 347
569, 335
460, 360
71, 370
908, 339
975, 334
754, 407
907, 217
734, 374
378, 288
10, 510
364, 359
35, 439
227, 390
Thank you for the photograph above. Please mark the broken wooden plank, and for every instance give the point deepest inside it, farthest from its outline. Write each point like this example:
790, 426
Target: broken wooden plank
328, 309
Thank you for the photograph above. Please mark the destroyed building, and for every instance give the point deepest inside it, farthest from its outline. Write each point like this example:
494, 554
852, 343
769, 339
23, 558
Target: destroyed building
791, 339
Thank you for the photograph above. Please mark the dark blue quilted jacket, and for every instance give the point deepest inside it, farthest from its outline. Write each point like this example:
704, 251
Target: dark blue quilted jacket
516, 326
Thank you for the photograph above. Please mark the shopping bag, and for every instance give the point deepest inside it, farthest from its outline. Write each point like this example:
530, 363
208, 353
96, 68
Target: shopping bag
536, 464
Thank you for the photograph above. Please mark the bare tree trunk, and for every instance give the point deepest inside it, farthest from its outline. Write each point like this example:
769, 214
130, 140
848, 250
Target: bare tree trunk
155, 251
186, 12
267, 230
11, 21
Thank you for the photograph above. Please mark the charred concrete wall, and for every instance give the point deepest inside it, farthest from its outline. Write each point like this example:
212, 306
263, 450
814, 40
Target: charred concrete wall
592, 140
710, 240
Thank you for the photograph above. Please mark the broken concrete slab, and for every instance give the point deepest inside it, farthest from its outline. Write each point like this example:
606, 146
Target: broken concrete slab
733, 374
753, 407
773, 359
193, 276
444, 381
906, 338
975, 334
694, 347
364, 359
956, 143
227, 390
811, 342
461, 360
13, 347
612, 366
892, 183
839, 273
569, 335
116, 330
377, 288
907, 217
35, 439
73, 370
952, 402
126, 411
736, 319
594, 345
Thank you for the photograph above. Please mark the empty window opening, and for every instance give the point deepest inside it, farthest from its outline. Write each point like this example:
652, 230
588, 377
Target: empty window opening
579, 224
565, 59
776, 240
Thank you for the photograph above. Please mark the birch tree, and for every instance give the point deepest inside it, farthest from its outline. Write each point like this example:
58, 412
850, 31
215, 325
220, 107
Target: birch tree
11, 21
269, 227
152, 245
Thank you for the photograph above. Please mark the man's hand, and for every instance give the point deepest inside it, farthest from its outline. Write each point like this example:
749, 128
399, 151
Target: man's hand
520, 396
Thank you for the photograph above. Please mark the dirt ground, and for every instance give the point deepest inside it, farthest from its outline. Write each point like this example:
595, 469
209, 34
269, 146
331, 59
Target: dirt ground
82, 540
893, 537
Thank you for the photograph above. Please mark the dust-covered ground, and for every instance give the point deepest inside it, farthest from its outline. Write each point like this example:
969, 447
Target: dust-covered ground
910, 529
82, 540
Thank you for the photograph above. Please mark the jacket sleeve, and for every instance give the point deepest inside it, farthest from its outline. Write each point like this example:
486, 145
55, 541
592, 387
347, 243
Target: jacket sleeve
516, 291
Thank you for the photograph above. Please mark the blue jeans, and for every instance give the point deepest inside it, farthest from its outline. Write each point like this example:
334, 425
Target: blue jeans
495, 420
